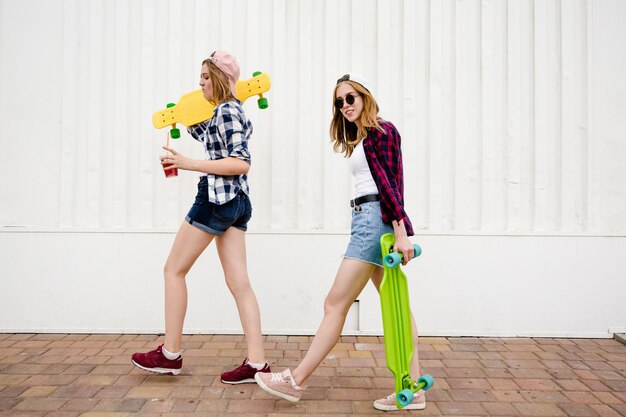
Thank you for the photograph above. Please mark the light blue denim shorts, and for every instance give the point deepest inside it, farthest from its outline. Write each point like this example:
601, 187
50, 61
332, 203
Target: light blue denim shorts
367, 228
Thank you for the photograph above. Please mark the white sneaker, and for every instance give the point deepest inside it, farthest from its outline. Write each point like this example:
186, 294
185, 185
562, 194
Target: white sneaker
389, 402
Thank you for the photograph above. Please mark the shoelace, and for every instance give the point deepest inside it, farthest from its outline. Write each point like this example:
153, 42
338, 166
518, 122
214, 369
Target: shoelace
277, 377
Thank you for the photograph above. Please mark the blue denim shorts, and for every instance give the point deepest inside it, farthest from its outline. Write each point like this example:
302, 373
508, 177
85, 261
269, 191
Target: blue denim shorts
216, 219
367, 228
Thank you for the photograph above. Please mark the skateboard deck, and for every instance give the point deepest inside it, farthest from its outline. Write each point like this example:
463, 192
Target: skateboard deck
397, 327
192, 108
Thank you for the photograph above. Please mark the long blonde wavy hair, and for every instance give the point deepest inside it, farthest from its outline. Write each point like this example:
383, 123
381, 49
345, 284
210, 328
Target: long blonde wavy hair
345, 135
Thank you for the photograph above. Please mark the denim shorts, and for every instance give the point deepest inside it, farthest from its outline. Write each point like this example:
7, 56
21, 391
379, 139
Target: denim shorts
216, 219
367, 228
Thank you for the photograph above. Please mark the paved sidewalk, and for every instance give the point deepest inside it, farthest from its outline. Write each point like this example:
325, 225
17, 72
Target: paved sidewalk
91, 375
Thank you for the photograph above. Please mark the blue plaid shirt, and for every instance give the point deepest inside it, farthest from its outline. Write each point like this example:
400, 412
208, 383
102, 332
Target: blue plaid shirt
225, 135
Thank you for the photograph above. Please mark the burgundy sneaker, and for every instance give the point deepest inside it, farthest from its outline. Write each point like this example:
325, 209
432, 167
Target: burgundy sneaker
243, 374
155, 361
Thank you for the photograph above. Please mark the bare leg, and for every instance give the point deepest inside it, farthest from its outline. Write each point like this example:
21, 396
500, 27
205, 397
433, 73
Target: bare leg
351, 277
190, 242
377, 278
231, 247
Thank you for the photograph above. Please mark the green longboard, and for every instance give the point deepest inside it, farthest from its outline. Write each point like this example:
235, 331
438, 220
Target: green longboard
396, 311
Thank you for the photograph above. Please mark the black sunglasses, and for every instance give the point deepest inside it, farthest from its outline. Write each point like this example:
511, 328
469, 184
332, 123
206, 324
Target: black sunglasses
349, 99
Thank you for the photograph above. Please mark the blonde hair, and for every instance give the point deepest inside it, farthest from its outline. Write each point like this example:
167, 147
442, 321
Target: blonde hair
345, 135
221, 85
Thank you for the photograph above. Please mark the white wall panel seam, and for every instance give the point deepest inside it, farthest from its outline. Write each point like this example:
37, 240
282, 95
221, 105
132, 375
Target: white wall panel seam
588, 171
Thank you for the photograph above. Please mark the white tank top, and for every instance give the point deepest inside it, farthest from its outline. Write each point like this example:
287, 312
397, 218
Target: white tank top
364, 182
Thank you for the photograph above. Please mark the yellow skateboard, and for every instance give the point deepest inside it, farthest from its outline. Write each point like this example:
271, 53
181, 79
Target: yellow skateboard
193, 108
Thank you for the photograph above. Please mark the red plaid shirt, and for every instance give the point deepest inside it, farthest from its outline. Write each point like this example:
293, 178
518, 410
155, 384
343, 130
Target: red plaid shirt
384, 157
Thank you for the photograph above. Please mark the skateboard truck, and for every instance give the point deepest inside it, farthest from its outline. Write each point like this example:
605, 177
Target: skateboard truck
393, 259
406, 396
174, 131
397, 327
262, 101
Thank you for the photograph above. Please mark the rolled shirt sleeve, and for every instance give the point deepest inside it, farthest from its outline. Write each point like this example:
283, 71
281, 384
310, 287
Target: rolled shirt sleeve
384, 157
225, 135
235, 130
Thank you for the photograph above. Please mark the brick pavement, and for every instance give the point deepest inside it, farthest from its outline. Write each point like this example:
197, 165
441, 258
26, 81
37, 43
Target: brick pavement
91, 376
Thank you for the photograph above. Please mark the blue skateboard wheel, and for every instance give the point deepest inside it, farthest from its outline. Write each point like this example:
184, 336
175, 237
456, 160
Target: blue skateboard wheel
393, 259
428, 381
405, 397
418, 250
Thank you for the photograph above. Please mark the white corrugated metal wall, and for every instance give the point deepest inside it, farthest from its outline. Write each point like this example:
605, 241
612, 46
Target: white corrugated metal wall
511, 114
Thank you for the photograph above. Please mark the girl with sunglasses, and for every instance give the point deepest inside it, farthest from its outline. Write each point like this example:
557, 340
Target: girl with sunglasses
375, 159
221, 212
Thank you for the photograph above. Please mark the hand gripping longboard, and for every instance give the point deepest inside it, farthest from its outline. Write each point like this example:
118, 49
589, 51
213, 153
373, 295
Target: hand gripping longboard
397, 327
192, 108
